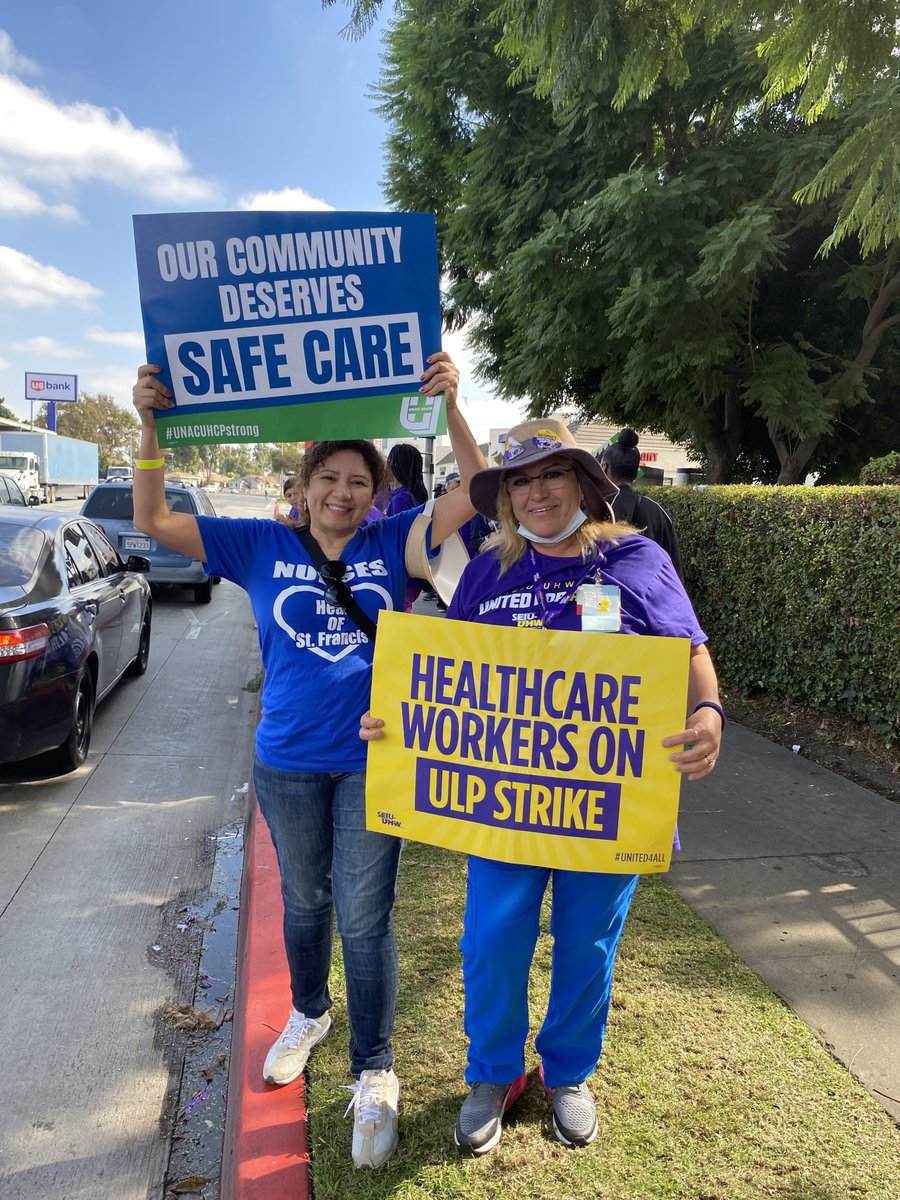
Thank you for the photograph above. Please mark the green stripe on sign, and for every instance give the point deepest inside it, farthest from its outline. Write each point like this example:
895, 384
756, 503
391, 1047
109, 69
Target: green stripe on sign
401, 415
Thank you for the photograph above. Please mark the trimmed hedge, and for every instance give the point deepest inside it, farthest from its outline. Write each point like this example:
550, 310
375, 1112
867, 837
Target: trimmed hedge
799, 591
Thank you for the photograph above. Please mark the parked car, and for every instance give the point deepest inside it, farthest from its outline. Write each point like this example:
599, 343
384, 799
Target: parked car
110, 505
11, 493
74, 619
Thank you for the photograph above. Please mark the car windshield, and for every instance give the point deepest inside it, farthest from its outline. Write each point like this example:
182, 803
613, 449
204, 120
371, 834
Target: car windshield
115, 503
20, 549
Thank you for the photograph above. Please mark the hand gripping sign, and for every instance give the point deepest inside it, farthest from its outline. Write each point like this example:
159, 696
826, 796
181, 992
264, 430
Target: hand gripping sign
527, 745
291, 326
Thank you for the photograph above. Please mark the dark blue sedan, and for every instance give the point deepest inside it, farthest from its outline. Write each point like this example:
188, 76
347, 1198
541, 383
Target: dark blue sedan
74, 619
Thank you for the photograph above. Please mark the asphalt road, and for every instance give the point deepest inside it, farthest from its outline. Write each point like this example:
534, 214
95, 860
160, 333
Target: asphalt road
98, 870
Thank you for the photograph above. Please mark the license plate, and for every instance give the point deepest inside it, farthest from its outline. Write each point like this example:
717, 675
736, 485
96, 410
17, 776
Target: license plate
136, 543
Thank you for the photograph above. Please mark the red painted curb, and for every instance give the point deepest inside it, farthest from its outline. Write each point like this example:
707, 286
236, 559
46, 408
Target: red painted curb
266, 1151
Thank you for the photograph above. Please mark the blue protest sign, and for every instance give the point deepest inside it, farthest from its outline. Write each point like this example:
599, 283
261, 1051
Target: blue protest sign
291, 326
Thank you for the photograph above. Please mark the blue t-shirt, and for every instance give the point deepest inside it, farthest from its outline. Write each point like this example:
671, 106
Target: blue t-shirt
318, 664
653, 597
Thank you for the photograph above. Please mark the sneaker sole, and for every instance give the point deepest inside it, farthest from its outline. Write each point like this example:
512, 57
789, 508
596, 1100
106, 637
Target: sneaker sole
572, 1142
297, 1074
468, 1148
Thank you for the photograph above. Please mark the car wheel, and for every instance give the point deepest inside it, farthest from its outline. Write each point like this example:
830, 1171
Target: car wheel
139, 666
74, 749
203, 592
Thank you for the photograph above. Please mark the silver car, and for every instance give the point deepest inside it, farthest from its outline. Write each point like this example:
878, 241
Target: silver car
110, 506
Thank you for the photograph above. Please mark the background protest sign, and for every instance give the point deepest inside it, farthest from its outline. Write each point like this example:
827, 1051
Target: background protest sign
291, 326
527, 745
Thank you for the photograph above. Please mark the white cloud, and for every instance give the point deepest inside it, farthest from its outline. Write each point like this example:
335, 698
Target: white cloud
115, 381
47, 347
287, 200
18, 199
3, 364
59, 144
127, 339
30, 284
11, 60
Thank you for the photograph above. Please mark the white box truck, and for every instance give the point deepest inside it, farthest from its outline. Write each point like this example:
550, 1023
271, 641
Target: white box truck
22, 466
66, 467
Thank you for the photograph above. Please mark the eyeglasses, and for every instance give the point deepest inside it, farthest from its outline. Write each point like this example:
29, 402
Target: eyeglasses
553, 479
332, 574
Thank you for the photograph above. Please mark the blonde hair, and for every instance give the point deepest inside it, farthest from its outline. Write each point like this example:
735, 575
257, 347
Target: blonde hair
510, 545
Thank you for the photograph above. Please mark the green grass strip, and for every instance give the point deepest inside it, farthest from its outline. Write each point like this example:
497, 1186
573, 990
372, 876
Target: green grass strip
709, 1088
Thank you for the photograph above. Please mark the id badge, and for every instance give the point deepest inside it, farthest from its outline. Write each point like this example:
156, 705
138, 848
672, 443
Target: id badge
600, 608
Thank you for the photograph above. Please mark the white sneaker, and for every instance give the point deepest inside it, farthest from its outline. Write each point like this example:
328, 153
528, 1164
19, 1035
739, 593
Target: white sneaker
376, 1095
287, 1058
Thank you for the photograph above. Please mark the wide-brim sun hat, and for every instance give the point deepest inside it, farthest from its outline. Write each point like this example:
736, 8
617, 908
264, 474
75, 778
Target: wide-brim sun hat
532, 442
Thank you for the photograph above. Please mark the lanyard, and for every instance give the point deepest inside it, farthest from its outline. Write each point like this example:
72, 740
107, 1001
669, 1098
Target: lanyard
550, 612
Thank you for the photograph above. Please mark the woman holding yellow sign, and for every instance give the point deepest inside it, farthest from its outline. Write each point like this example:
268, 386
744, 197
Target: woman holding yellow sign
558, 561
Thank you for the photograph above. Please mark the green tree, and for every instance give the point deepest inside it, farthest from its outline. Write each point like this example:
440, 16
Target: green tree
238, 460
829, 59
286, 457
98, 419
648, 265
7, 413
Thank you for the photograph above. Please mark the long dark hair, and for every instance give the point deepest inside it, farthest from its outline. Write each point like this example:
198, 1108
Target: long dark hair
405, 463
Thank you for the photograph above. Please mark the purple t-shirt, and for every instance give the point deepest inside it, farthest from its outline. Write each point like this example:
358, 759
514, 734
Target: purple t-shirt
400, 500
653, 597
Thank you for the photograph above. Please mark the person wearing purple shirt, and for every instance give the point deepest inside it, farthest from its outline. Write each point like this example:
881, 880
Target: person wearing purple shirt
556, 542
408, 491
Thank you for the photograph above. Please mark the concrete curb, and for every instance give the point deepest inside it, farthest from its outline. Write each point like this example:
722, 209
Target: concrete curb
266, 1151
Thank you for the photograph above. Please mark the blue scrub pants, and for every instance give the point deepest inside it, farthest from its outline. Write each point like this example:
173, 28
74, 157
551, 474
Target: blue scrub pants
503, 906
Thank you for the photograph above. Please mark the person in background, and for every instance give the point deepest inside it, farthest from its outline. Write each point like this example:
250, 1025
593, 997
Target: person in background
407, 491
478, 528
556, 537
289, 490
313, 598
621, 460
473, 533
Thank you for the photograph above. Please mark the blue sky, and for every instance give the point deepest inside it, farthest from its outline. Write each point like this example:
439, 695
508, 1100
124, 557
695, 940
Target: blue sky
109, 109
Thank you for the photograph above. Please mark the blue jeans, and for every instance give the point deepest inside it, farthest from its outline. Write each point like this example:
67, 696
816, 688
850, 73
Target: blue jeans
330, 861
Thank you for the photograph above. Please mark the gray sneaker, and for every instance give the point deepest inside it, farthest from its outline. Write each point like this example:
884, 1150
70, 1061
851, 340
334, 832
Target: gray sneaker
574, 1113
480, 1121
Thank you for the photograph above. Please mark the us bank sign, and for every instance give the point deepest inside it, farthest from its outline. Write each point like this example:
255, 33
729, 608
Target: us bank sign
40, 386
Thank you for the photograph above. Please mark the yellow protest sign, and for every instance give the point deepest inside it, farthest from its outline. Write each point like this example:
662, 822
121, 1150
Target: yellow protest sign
527, 745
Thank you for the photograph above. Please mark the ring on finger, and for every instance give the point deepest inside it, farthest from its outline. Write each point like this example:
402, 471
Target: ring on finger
709, 762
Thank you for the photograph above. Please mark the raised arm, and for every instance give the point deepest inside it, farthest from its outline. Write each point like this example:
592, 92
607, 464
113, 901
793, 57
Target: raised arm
454, 509
152, 515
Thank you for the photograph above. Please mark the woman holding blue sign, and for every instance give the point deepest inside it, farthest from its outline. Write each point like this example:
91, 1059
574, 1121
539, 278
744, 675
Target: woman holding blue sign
316, 593
558, 561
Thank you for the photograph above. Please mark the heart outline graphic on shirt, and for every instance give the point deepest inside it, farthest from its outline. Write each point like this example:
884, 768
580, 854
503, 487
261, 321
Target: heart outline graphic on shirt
292, 633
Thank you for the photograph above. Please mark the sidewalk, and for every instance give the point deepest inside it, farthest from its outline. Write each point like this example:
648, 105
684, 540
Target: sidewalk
795, 867
799, 871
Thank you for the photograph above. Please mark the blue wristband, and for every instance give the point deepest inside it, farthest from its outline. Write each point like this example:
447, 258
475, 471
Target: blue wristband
715, 707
